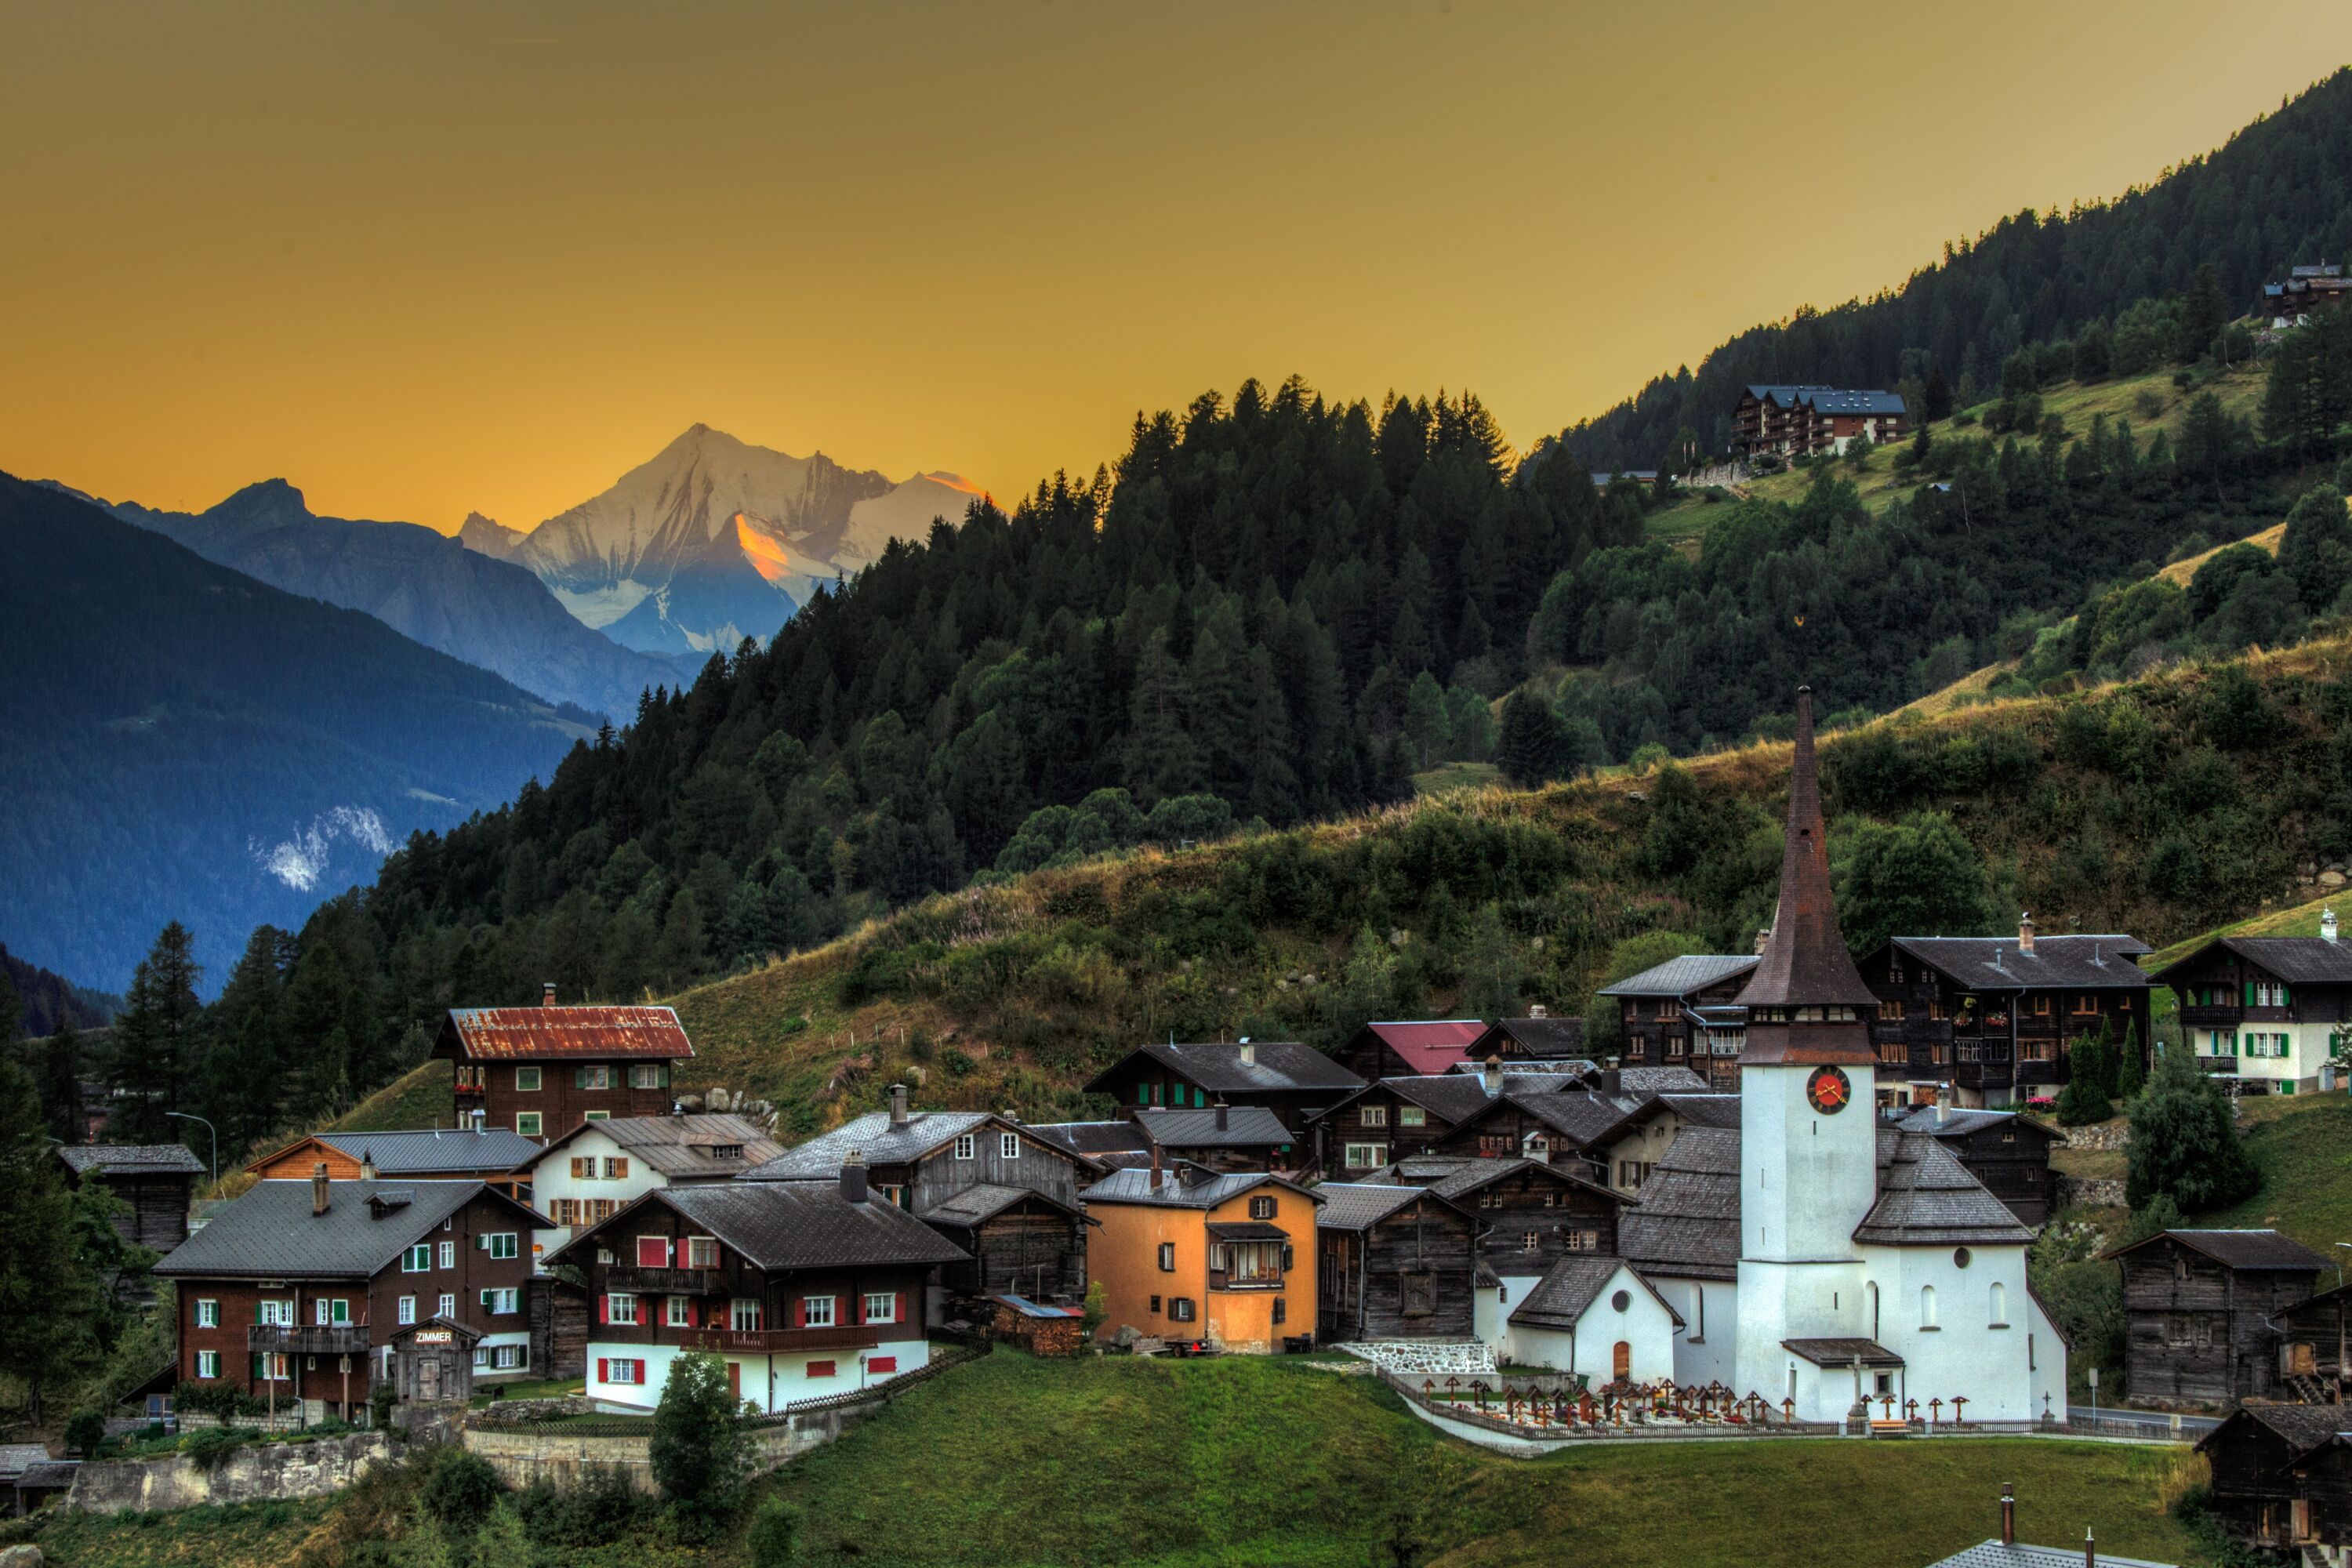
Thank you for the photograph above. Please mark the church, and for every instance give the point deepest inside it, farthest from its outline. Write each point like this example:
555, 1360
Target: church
1814, 1254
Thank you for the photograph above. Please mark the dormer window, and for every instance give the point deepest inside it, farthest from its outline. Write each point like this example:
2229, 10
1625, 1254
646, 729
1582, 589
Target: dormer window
727, 1150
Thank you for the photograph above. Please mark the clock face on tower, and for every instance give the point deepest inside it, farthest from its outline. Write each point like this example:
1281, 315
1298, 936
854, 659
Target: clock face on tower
1829, 1090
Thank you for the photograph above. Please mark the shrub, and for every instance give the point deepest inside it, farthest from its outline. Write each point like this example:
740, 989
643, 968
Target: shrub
84, 1430
2183, 1145
600, 1508
702, 1455
457, 1488
774, 1531
207, 1447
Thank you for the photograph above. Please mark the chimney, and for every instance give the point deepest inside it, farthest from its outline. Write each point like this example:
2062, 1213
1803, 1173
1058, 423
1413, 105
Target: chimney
1490, 1076
546, 993
898, 1105
852, 1176
1158, 1175
1943, 1106
1220, 1116
1538, 1011
2328, 925
1763, 937
2089, 1549
319, 1189
1012, 1114
367, 1164
2024, 933
2008, 1514
1249, 1052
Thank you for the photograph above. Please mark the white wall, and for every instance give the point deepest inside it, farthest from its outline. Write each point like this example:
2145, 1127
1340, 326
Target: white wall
551, 1178
771, 1382
1963, 1354
2049, 1357
1491, 1311
1644, 1327
1706, 1351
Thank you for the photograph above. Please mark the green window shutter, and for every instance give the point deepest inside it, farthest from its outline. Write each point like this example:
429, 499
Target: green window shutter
2250, 992
1142, 1094
579, 1077
665, 1075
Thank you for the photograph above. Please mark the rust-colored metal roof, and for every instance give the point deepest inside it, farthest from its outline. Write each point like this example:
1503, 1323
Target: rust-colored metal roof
1805, 962
1430, 1045
504, 1034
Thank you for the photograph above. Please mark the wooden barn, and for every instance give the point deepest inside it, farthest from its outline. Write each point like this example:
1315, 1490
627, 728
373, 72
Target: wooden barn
2198, 1306
1410, 1049
1393, 1263
154, 1179
2282, 1476
1023, 1243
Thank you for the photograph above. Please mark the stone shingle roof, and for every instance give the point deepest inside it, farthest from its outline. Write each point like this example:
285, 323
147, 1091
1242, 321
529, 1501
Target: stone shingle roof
443, 1152
680, 1146
1278, 1066
1993, 1554
2304, 1426
2093, 962
271, 1232
1455, 1177
1637, 1082
2297, 960
2251, 1250
1927, 1198
798, 1225
1571, 1286
1542, 1038
1682, 976
1842, 1352
1094, 1137
872, 1136
982, 1201
1686, 1222
1357, 1205
1959, 1124
131, 1159
1247, 1127
1134, 1187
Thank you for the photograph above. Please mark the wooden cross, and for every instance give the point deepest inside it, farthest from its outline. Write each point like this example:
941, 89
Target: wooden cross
1789, 1411
1911, 1410
1886, 1403
1957, 1401
1935, 1410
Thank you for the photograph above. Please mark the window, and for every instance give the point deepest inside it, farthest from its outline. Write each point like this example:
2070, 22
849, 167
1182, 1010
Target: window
653, 1252
595, 1116
2041, 1005
329, 1314
1180, 1308
1537, 1146
1891, 1011
2260, 1044
820, 1369
1494, 1145
270, 1366
680, 1312
209, 1314
616, 1168
501, 1299
1168, 1258
702, 1252
2000, 1305
208, 1364
407, 1312
527, 1123
1411, 1116
621, 1307
966, 1146
881, 1365
1927, 1306
448, 1255
727, 1150
621, 1371
1372, 1116
1247, 1262
2037, 1050
592, 1077
447, 1306
816, 1311
526, 1083
1261, 1208
1584, 1241
417, 1259
275, 1313
1155, 1303
746, 1316
2264, 993
1282, 1308
1008, 1145
1366, 1156
1530, 1241
881, 1307
649, 1077
500, 1244
1678, 1044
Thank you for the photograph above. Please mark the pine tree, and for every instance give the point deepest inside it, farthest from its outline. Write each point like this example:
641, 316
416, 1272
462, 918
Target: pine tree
1491, 970
1427, 727
245, 1066
57, 1067
48, 1303
155, 1051
2184, 1145
1533, 743
2205, 313
1937, 404
2131, 1072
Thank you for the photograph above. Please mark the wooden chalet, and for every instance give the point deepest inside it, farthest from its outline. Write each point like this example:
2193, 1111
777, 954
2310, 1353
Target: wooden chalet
1988, 1019
1297, 1082
1683, 1013
1561, 1126
2306, 290
1206, 1261
2198, 1308
1223, 1138
1794, 420
1393, 1263
296, 1291
2007, 1151
1630, 1149
2314, 1337
1399, 1117
1532, 1214
2266, 1012
541, 1071
2282, 1477
156, 1180
1410, 1049
1006, 1195
499, 1157
1538, 1038
806, 1288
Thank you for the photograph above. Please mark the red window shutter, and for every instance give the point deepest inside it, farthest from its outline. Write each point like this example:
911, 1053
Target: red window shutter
820, 1369
603, 1308
882, 1364
603, 1370
840, 1309
799, 1311
902, 1306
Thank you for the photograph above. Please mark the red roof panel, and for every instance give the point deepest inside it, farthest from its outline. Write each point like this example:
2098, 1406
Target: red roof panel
1433, 1046
588, 1033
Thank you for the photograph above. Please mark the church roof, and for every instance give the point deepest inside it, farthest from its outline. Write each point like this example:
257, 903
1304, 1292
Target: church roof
1842, 1352
1561, 1298
1927, 1198
1686, 1223
1805, 960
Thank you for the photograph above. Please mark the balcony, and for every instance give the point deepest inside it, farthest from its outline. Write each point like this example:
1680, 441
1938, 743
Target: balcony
343, 1340
786, 1341
663, 1281
2222, 1017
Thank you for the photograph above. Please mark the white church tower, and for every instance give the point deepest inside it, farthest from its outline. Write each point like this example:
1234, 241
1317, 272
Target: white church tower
1808, 1102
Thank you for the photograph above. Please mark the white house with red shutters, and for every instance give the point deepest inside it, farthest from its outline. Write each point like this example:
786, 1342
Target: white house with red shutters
803, 1288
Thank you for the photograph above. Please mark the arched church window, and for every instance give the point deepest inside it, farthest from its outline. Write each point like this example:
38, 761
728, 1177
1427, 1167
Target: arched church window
2000, 1304
1927, 1306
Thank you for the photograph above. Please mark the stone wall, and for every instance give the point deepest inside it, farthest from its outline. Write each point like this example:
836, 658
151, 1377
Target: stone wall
2093, 1192
261, 1472
2108, 1135
560, 1457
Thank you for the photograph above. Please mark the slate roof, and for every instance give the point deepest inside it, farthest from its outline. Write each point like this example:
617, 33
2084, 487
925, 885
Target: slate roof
872, 1136
1544, 1037
271, 1232
1452, 1178
1927, 1198
1685, 1221
131, 1159
1582, 1118
588, 1034
1247, 1127
1570, 1286
796, 1225
1841, 1353
18, 1458
679, 1146
1281, 1066
1959, 1124
1681, 976
57, 1474
1689, 1110
1850, 400
1993, 1554
1094, 1138
2304, 1426
2093, 962
1785, 393
1359, 1205
2297, 960
1640, 1081
447, 1151
1134, 1187
1429, 1044
982, 1201
2254, 1251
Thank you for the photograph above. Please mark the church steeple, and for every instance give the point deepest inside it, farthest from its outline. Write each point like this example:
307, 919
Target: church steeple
1806, 1001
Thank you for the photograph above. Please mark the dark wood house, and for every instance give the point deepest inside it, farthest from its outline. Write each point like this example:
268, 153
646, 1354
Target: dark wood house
1531, 1214
2282, 1476
2007, 1151
1225, 1138
1395, 1263
1562, 1127
295, 1290
1630, 1149
1538, 1038
1988, 1019
1397, 1118
1794, 420
155, 1180
2198, 1308
499, 1157
2266, 1011
1297, 1082
2316, 1346
1683, 1013
1006, 1195
541, 1071
1410, 1049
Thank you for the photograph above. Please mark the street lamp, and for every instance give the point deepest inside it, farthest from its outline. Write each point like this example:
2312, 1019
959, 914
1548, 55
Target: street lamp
184, 1116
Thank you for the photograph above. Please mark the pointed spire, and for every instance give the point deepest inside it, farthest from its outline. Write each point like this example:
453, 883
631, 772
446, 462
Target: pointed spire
1805, 962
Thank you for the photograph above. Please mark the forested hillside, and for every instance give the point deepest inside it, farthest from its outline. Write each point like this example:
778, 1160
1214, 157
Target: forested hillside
2279, 192
44, 1000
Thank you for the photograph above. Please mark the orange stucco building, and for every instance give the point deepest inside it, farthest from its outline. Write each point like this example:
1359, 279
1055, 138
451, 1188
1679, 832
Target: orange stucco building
1223, 1260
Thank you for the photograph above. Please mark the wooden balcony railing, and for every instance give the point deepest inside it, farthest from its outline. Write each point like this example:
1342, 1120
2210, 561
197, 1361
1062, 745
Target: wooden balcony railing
349, 1339
789, 1341
663, 1281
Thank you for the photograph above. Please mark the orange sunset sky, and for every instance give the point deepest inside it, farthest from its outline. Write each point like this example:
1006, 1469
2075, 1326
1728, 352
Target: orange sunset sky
425, 259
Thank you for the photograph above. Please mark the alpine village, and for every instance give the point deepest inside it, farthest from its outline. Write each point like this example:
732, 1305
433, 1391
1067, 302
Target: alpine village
1764, 981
